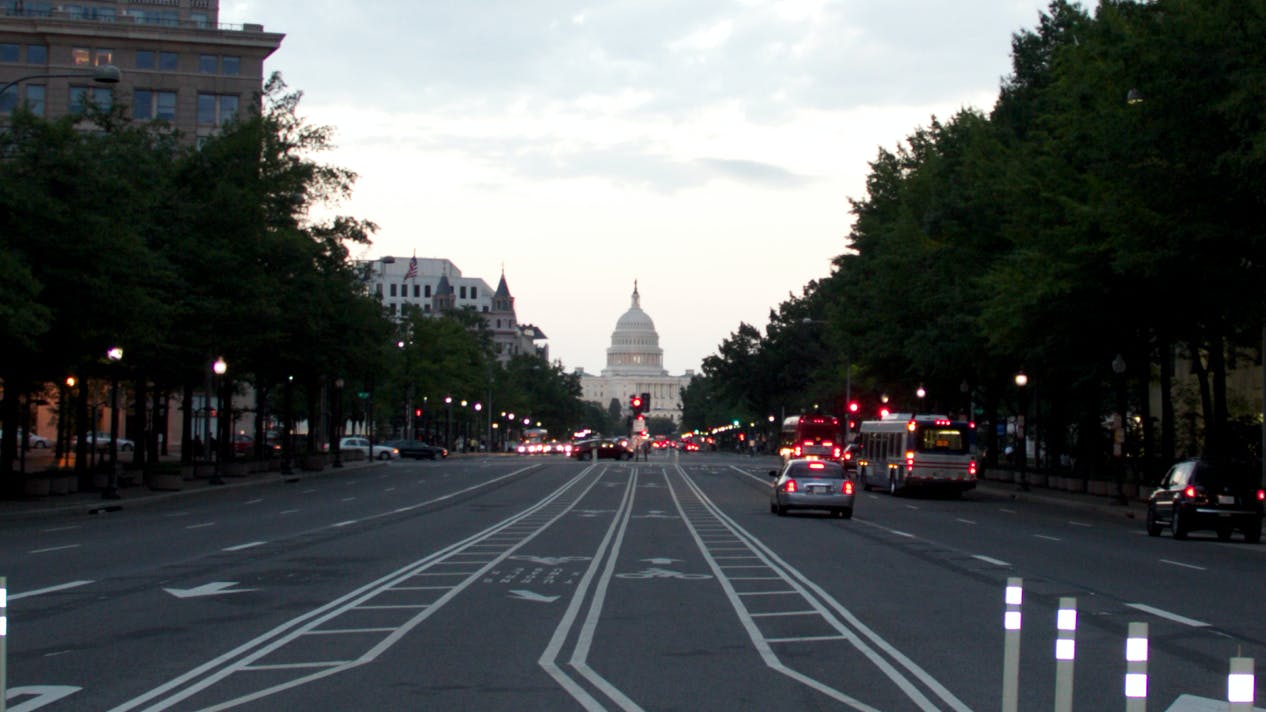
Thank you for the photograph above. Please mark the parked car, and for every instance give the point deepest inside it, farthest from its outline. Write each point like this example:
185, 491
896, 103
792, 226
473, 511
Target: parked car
812, 484
356, 443
1202, 495
101, 441
604, 448
33, 441
417, 449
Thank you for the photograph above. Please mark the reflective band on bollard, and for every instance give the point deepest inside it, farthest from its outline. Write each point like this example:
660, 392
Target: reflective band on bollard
1136, 668
1239, 685
1011, 656
1065, 653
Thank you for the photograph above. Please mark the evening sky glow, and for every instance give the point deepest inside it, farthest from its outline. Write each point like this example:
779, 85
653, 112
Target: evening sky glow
706, 148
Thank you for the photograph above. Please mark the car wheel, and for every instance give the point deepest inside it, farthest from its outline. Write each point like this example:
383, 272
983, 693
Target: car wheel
384, 456
780, 510
773, 507
1153, 528
1253, 532
1179, 524
846, 513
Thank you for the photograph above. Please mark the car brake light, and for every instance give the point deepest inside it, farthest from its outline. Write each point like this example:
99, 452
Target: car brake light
1190, 492
1261, 495
971, 468
797, 451
816, 466
848, 455
848, 487
837, 453
790, 486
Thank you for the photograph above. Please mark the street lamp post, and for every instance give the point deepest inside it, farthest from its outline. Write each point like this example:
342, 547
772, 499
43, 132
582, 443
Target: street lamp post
219, 368
448, 422
104, 74
1021, 381
115, 355
337, 436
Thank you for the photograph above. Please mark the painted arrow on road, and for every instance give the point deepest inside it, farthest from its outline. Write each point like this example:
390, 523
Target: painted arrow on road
532, 596
215, 588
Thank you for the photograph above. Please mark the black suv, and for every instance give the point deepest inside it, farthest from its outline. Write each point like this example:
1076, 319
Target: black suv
1202, 495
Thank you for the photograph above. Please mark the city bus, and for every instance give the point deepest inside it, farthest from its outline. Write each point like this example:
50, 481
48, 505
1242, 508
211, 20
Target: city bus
535, 442
903, 452
812, 436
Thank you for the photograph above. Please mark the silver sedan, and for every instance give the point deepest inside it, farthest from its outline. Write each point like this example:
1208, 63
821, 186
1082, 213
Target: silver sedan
812, 484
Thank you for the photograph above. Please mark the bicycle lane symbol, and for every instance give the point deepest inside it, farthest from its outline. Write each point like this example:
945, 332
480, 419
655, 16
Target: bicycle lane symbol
655, 572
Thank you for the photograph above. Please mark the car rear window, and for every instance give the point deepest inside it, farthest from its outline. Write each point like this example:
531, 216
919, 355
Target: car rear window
817, 469
1220, 476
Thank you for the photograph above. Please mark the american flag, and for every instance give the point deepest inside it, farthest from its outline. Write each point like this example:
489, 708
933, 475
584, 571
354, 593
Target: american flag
413, 269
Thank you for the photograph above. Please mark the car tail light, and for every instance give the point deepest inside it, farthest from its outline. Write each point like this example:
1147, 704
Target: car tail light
837, 453
1189, 492
817, 466
796, 451
790, 486
848, 455
1261, 495
848, 487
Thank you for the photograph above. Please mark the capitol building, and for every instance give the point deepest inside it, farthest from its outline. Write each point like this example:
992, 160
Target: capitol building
635, 364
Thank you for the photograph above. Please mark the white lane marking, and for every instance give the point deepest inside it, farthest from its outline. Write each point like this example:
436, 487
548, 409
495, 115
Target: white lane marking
215, 588
348, 499
347, 523
1082, 524
1160, 613
50, 589
1185, 566
990, 560
253, 501
911, 506
51, 530
41, 696
1004, 509
288, 511
1048, 538
1167, 616
965, 521
54, 548
907, 535
241, 547
203, 525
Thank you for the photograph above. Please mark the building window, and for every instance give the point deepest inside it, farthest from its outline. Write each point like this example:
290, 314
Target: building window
36, 54
168, 61
200, 20
208, 63
216, 109
474, 293
80, 56
426, 308
145, 59
393, 290
428, 291
35, 98
103, 57
231, 65
463, 290
378, 291
417, 291
81, 96
9, 53
149, 104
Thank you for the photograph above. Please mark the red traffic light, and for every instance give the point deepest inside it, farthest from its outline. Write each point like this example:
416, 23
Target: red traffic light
853, 406
417, 412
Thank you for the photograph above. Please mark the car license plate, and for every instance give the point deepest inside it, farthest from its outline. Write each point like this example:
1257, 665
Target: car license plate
819, 489
1226, 499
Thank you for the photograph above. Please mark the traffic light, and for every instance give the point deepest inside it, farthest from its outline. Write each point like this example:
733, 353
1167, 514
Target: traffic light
635, 404
854, 406
417, 412
646, 402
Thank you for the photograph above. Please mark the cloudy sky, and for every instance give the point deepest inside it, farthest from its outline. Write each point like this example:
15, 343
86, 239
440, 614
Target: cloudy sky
705, 148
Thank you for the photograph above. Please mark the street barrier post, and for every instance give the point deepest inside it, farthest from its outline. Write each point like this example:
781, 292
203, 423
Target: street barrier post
1065, 653
1136, 668
1239, 685
4, 635
1011, 654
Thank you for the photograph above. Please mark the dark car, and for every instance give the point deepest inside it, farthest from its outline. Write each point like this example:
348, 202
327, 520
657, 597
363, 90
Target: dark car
608, 449
812, 484
418, 450
1200, 495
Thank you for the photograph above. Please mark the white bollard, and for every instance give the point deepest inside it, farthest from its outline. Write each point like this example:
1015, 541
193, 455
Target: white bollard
1239, 685
1065, 653
1011, 656
4, 635
1136, 668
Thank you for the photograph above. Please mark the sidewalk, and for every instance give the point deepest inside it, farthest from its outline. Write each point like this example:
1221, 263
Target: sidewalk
91, 501
1132, 508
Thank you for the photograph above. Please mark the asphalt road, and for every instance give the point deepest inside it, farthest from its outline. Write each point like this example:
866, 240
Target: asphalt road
505, 583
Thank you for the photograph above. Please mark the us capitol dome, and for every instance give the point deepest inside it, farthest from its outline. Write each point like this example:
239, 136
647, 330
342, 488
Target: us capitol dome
635, 364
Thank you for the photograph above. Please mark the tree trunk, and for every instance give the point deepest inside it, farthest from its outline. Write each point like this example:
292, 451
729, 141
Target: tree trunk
1206, 399
1167, 402
186, 425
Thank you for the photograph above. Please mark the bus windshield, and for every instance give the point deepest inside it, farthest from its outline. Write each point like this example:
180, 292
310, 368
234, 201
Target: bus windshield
818, 432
